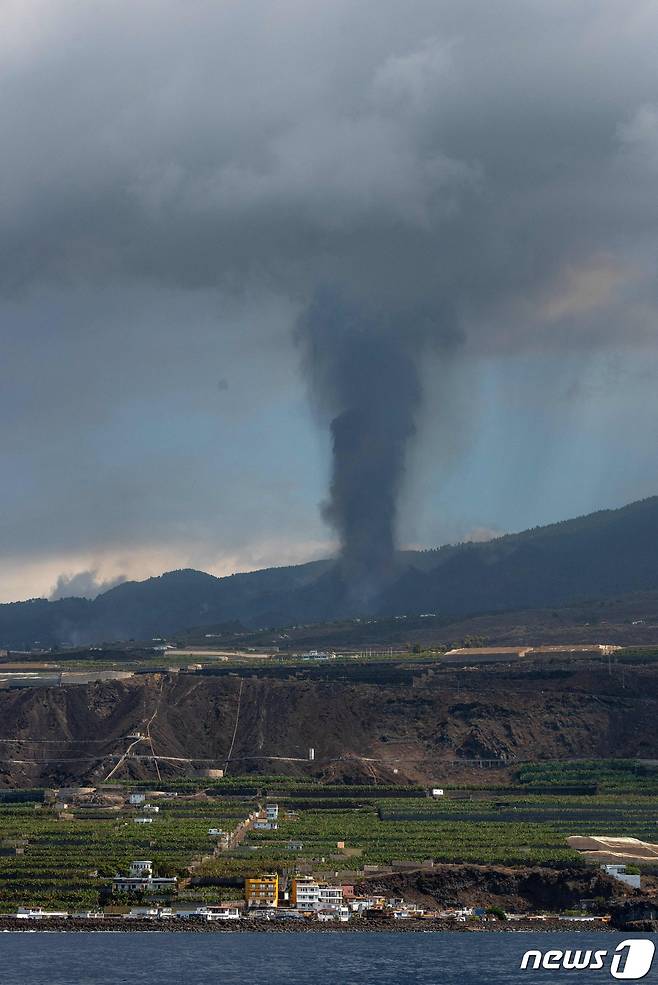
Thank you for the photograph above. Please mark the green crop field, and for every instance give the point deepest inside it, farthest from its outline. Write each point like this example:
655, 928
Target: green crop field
61, 855
509, 826
68, 860
384, 841
613, 775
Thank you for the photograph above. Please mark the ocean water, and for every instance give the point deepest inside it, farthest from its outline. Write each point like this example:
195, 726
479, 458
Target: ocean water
40, 958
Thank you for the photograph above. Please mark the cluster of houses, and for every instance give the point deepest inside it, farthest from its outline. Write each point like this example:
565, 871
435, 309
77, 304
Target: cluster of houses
324, 907
313, 898
306, 898
307, 895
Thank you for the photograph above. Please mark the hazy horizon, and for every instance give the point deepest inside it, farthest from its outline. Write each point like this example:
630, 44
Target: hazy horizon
91, 583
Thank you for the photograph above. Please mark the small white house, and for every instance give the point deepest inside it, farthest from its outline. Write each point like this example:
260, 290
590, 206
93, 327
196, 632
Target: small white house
141, 868
142, 880
223, 912
362, 904
148, 913
340, 915
619, 872
143, 820
137, 798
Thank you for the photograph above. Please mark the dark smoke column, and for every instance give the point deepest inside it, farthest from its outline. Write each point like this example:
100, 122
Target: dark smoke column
364, 376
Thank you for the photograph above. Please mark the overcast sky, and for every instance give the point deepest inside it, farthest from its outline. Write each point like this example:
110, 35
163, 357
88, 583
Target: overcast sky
178, 181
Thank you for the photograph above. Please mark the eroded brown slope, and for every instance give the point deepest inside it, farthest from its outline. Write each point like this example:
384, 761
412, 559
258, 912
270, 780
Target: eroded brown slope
520, 889
357, 729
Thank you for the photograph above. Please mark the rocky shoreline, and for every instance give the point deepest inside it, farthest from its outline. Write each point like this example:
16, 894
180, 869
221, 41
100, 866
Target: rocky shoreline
118, 925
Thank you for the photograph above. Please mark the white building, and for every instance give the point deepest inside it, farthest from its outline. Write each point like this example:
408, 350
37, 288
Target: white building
340, 914
330, 897
311, 895
306, 893
38, 913
142, 880
141, 868
149, 913
619, 872
272, 812
137, 798
223, 912
362, 903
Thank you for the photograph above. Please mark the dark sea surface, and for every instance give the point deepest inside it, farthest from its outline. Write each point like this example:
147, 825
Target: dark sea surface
295, 959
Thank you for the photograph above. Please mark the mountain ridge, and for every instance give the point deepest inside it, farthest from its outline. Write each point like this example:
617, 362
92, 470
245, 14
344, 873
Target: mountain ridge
601, 554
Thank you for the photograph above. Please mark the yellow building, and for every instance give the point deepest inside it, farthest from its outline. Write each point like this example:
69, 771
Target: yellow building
262, 891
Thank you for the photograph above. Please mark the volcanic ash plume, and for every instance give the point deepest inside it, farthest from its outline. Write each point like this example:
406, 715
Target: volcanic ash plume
364, 376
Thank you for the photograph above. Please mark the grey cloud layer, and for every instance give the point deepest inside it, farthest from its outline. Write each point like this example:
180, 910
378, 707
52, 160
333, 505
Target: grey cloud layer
473, 149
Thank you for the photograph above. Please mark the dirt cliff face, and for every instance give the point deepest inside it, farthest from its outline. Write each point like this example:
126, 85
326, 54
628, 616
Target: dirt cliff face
518, 890
409, 722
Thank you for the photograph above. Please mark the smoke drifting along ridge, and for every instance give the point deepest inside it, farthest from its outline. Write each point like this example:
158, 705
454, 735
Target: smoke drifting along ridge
83, 584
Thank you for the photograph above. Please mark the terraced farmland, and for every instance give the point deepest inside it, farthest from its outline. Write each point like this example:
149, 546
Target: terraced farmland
62, 855
513, 825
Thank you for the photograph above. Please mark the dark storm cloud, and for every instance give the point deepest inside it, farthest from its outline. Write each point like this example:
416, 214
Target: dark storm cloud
464, 174
467, 150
